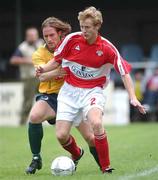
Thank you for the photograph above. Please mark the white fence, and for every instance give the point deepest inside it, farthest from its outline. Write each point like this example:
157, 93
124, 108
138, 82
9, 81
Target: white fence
116, 109
11, 97
10, 103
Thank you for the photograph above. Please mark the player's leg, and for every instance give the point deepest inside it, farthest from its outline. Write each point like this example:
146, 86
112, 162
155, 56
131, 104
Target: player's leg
86, 131
67, 141
40, 112
101, 141
67, 115
94, 111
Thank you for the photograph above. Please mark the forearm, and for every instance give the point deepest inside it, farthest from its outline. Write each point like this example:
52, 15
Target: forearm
49, 75
20, 60
51, 65
128, 83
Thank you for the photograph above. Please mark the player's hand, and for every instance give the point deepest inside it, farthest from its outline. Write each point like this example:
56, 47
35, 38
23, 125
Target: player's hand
140, 107
39, 71
62, 72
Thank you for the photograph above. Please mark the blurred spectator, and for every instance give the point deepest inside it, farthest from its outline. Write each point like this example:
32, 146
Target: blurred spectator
151, 94
23, 58
3, 65
137, 79
138, 75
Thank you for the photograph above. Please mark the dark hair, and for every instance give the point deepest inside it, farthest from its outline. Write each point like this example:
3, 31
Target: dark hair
58, 24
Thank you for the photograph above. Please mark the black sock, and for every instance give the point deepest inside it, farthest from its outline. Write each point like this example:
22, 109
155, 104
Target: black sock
93, 151
35, 133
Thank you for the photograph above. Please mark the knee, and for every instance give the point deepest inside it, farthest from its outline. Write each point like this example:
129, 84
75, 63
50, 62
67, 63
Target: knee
62, 136
95, 117
96, 124
34, 118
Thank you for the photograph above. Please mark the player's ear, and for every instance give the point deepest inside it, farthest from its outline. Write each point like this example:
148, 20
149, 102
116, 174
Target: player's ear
98, 26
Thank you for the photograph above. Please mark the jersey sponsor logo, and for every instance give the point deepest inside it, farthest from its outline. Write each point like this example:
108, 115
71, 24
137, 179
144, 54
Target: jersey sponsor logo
77, 48
99, 52
83, 68
81, 72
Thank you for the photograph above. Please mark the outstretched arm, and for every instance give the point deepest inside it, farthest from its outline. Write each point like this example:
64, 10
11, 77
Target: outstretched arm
58, 72
128, 83
51, 65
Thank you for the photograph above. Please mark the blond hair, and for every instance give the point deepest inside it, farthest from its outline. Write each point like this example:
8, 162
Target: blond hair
58, 24
93, 13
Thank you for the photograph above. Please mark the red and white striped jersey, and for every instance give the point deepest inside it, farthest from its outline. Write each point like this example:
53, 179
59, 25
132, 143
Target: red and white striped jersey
88, 65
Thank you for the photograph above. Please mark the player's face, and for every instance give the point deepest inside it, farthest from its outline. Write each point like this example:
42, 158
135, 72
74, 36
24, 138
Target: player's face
51, 37
89, 30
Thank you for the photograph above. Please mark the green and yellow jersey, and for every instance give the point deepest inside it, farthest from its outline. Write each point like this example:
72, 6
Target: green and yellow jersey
41, 56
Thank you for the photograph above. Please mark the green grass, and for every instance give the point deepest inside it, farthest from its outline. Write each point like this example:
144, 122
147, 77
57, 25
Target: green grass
133, 151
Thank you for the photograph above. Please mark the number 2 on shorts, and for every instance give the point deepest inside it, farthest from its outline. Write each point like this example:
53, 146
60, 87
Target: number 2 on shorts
93, 101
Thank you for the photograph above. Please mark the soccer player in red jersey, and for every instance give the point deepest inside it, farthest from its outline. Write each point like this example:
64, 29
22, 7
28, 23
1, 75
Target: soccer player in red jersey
53, 30
87, 58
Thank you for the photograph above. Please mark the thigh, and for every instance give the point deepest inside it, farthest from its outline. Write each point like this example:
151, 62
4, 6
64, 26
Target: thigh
95, 115
50, 99
94, 103
70, 95
66, 112
42, 111
63, 129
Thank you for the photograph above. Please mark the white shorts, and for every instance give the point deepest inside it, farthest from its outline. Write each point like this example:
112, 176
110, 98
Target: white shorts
74, 103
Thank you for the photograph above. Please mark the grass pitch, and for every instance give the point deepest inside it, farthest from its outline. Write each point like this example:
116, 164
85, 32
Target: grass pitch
133, 151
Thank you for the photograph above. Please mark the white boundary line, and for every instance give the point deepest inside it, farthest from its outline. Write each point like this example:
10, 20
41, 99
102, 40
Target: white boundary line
146, 172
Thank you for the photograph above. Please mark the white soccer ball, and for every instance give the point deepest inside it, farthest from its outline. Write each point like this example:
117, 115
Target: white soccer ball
62, 166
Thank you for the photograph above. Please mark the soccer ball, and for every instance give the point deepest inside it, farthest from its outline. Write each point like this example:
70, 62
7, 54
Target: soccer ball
62, 166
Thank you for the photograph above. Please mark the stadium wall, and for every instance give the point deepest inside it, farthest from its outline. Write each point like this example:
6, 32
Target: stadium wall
116, 109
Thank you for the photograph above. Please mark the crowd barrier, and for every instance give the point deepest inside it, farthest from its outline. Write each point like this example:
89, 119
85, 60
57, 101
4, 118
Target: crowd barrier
116, 109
